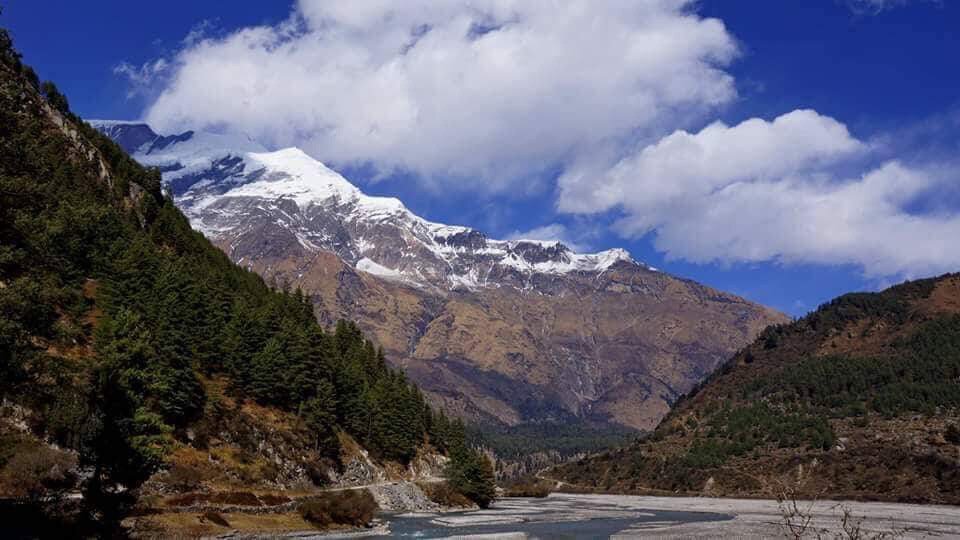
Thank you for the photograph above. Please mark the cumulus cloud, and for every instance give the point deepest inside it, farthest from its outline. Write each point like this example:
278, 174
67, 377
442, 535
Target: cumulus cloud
478, 94
494, 96
682, 164
553, 232
770, 190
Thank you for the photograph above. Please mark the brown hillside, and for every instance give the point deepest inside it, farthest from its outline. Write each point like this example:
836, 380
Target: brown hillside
857, 400
620, 346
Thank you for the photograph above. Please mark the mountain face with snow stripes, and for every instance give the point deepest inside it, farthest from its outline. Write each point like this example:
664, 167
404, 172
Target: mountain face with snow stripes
505, 331
222, 182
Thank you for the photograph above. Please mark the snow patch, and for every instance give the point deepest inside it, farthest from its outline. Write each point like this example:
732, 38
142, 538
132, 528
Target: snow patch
371, 267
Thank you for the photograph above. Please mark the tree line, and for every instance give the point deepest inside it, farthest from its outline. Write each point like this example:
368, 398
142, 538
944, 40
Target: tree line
113, 311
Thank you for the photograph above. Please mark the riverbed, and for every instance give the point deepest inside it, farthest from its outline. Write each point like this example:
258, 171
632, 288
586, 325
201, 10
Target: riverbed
624, 517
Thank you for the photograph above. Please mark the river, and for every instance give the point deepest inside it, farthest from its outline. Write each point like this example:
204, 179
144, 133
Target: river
623, 517
558, 516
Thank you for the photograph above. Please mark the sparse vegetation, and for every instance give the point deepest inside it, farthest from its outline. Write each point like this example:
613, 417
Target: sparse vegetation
444, 495
354, 508
529, 487
216, 519
37, 472
919, 376
799, 520
858, 394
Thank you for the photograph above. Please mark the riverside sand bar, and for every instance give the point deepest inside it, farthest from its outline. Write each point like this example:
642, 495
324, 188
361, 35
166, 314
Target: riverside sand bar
621, 516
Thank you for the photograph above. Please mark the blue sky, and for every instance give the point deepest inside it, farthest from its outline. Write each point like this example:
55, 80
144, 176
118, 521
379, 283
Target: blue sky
888, 74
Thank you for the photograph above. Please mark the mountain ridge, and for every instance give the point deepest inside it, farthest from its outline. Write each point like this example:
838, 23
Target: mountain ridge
291, 174
502, 331
860, 399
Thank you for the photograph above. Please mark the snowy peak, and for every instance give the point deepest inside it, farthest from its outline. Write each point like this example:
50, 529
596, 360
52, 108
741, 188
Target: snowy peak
234, 191
292, 174
503, 331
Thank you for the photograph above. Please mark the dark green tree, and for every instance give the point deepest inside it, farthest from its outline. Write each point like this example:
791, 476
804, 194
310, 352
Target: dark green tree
320, 416
470, 472
57, 100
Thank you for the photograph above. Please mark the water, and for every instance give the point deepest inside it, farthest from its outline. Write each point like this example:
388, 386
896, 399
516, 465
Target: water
558, 516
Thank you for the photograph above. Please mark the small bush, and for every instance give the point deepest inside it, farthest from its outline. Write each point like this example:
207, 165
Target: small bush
231, 498
239, 498
216, 519
535, 489
38, 472
184, 478
444, 495
952, 434
318, 476
354, 508
269, 499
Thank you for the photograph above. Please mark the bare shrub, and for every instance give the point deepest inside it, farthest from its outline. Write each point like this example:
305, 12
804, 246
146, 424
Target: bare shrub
851, 528
534, 488
184, 478
797, 521
796, 515
444, 495
216, 519
354, 507
238, 498
39, 472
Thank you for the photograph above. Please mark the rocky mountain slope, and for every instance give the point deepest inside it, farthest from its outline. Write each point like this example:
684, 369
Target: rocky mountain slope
142, 371
498, 331
858, 400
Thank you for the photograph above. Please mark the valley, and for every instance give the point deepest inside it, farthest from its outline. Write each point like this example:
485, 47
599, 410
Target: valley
671, 275
496, 332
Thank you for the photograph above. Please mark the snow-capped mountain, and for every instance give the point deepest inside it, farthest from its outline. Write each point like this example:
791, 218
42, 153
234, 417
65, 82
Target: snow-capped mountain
228, 184
504, 331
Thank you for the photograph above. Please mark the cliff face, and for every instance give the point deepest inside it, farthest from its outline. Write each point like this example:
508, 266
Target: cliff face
497, 331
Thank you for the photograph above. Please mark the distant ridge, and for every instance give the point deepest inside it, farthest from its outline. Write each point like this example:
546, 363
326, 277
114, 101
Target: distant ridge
858, 400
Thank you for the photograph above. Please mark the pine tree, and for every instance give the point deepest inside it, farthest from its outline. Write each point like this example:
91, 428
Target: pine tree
470, 473
266, 378
320, 416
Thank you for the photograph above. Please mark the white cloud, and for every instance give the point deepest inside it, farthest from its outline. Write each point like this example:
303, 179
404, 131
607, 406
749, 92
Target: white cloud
683, 164
762, 191
486, 95
876, 6
552, 232
142, 78
468, 94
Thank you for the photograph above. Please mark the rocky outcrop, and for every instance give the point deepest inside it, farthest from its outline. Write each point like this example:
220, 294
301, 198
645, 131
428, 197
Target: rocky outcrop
402, 497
